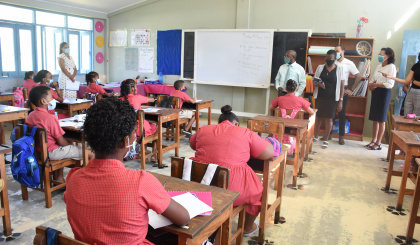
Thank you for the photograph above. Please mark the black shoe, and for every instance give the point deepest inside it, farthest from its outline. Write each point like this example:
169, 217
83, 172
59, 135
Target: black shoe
187, 133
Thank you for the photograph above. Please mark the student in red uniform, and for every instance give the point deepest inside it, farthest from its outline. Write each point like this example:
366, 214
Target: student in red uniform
228, 145
92, 79
290, 101
29, 81
44, 78
58, 147
107, 203
179, 86
128, 92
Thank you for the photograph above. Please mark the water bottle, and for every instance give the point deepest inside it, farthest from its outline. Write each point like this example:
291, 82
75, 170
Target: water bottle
32, 165
56, 115
160, 78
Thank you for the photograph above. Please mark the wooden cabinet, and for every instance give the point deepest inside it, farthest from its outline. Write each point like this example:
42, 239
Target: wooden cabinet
356, 105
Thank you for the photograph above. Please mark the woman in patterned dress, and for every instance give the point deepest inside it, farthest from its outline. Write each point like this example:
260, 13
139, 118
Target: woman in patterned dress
68, 70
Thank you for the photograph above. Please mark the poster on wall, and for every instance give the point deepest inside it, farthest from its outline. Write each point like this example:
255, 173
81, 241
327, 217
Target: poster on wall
140, 37
118, 38
146, 60
131, 59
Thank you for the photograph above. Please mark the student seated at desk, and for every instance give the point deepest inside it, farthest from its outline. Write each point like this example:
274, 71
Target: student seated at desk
29, 80
105, 202
179, 86
228, 145
92, 79
290, 101
128, 92
44, 78
58, 147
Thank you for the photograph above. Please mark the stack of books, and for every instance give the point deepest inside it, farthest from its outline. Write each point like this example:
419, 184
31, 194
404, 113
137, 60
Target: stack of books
364, 67
361, 88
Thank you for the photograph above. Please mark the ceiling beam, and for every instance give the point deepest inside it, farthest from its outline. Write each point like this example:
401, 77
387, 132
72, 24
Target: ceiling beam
130, 7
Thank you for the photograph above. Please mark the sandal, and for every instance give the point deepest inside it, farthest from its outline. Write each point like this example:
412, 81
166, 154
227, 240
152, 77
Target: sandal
325, 145
316, 139
252, 232
370, 144
379, 147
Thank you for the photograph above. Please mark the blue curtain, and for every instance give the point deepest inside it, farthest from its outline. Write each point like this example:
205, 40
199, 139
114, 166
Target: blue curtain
169, 52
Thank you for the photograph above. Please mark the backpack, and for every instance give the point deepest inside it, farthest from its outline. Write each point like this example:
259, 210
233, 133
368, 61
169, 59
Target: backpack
276, 145
18, 100
288, 139
166, 103
24, 165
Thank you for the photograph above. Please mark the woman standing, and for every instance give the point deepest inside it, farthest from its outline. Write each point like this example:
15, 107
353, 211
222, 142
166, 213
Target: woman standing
412, 101
68, 70
328, 93
381, 87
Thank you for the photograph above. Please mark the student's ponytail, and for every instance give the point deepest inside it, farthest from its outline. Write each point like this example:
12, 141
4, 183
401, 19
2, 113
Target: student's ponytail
227, 114
28, 75
90, 76
125, 88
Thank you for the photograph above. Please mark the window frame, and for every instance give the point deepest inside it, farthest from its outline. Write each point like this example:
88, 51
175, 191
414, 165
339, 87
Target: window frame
16, 25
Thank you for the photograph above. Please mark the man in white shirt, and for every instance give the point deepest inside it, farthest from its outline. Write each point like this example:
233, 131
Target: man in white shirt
348, 67
290, 70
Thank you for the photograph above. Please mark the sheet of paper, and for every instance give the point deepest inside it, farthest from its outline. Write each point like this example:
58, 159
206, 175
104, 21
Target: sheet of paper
157, 220
151, 110
67, 123
140, 37
146, 60
72, 85
198, 100
192, 204
73, 100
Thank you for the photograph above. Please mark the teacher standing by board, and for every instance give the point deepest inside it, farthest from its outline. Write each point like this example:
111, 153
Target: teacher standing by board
68, 70
290, 70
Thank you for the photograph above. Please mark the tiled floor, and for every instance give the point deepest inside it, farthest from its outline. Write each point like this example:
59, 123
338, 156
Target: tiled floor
341, 201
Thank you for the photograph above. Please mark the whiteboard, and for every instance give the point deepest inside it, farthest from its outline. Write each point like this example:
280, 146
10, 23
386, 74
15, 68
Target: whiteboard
233, 57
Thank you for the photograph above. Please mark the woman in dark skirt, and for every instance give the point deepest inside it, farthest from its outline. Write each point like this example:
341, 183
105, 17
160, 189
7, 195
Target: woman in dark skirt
329, 91
381, 96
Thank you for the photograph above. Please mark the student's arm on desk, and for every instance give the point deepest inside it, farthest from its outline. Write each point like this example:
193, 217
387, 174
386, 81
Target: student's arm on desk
267, 153
271, 110
310, 110
193, 100
177, 214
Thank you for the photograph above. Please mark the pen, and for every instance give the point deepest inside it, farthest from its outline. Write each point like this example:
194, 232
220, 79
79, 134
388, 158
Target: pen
164, 184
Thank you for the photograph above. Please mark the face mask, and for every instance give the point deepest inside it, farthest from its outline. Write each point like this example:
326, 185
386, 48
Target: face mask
32, 77
132, 148
67, 51
98, 81
52, 104
286, 60
50, 81
338, 56
381, 58
330, 62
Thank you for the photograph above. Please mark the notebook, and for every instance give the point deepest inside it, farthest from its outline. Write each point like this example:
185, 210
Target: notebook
202, 196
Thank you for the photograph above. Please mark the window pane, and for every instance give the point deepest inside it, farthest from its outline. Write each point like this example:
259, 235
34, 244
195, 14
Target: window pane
16, 14
7, 49
39, 48
53, 38
58, 40
79, 23
49, 19
25, 41
86, 54
74, 48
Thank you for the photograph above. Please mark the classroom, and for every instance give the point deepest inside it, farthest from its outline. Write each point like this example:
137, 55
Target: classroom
205, 122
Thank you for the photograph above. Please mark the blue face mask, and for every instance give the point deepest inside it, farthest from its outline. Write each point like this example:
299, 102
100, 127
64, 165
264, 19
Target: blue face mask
338, 56
52, 104
98, 81
381, 58
286, 60
67, 51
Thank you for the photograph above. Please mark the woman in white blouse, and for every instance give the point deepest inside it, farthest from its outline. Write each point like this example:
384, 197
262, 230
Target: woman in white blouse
68, 70
381, 96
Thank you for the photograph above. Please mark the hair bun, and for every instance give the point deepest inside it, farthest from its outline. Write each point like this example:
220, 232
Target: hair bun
226, 109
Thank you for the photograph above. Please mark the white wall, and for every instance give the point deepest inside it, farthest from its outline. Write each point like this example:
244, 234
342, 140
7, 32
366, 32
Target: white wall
320, 16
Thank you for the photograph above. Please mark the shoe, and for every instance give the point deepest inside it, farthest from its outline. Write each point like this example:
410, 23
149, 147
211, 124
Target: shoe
370, 144
341, 140
187, 133
252, 232
316, 139
378, 148
325, 145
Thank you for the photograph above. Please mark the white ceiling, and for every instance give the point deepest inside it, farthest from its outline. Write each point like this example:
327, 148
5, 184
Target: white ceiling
102, 6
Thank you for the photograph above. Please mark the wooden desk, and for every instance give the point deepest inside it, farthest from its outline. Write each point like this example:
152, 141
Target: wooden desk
75, 105
414, 218
201, 227
74, 134
407, 142
200, 106
161, 116
402, 124
7, 96
10, 113
4, 211
301, 127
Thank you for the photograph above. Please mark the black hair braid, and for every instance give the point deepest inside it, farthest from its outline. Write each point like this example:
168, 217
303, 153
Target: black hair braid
125, 87
291, 85
107, 124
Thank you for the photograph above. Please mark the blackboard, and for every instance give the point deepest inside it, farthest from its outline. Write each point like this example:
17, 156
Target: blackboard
282, 41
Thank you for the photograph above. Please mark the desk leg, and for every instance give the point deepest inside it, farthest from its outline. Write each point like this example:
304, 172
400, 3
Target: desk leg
197, 118
280, 182
264, 205
7, 228
296, 160
390, 141
413, 212
2, 137
404, 176
84, 152
209, 116
182, 240
302, 152
227, 228
159, 142
177, 131
390, 167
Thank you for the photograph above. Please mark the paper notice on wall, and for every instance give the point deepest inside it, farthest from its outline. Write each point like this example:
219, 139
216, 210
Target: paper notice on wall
140, 37
146, 60
131, 59
118, 38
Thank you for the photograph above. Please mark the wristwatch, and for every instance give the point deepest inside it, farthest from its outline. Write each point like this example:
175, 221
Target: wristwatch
341, 98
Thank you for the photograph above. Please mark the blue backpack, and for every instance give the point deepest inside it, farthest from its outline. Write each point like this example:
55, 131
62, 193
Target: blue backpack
24, 165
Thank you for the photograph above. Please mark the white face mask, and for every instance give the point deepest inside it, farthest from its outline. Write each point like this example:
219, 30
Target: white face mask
132, 148
98, 81
52, 104
50, 81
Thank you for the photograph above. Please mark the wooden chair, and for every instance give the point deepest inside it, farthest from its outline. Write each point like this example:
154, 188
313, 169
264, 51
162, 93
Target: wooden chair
25, 98
146, 140
277, 113
40, 238
170, 131
41, 141
265, 168
221, 180
98, 96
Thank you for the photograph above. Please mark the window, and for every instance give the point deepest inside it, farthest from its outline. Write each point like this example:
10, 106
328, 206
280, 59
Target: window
30, 40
